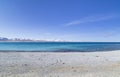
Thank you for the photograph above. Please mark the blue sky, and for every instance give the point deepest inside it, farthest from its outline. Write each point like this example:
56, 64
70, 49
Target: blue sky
72, 20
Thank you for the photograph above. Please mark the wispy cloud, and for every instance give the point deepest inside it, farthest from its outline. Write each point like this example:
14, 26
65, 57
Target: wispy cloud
90, 19
110, 34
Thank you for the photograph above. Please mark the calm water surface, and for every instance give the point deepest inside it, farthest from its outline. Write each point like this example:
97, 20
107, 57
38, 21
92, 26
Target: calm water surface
59, 46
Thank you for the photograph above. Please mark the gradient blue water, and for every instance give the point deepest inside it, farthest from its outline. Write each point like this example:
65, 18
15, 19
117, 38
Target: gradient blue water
59, 46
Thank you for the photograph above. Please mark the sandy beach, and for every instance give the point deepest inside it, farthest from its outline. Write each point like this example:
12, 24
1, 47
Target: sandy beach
60, 64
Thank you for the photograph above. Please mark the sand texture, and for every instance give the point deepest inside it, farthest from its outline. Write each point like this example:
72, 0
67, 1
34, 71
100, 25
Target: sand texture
53, 64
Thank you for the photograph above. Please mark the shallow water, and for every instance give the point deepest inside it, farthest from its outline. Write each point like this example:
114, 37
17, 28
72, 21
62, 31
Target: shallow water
59, 46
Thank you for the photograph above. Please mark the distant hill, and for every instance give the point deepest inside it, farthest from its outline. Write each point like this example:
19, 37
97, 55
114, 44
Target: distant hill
4, 39
14, 39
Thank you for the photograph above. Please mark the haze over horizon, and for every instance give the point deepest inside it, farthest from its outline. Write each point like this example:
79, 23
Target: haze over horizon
69, 20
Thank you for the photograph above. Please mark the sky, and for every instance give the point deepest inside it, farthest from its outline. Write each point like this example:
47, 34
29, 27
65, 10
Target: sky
68, 20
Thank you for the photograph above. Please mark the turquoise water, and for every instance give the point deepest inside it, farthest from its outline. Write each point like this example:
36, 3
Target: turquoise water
59, 46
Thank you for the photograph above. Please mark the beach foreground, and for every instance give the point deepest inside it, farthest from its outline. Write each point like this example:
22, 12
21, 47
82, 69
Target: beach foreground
60, 64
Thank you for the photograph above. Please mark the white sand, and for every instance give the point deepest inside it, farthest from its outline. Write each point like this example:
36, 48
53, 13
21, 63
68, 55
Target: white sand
71, 64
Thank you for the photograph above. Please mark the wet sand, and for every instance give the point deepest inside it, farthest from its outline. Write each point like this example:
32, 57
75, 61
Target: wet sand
60, 64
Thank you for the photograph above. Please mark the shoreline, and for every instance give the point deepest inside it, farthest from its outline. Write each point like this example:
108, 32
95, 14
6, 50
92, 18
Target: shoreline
60, 64
58, 51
